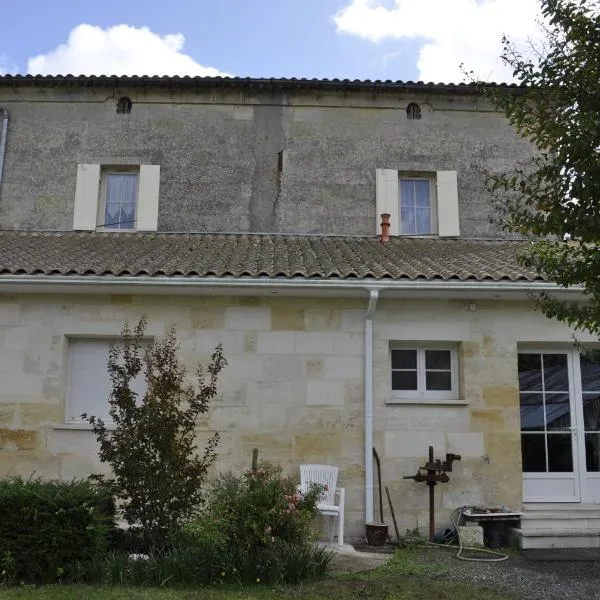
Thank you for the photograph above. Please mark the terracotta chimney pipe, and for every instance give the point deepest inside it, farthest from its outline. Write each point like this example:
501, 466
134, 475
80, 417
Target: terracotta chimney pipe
385, 228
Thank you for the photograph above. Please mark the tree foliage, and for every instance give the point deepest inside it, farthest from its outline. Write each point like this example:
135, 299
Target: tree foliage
558, 196
158, 471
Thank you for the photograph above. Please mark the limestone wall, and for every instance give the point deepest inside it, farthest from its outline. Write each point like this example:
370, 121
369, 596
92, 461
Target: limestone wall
294, 387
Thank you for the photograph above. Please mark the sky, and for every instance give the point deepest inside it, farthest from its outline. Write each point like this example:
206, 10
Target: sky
424, 40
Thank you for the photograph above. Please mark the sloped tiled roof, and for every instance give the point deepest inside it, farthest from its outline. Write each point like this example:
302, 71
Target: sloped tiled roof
255, 83
259, 256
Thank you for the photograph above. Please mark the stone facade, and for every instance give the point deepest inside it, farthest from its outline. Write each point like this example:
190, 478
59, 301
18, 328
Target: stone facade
230, 159
294, 387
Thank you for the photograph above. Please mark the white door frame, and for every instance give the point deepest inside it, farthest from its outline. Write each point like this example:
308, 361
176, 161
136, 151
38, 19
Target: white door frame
558, 486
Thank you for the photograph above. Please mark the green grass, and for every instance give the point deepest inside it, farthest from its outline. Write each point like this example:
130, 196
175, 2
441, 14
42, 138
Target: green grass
406, 576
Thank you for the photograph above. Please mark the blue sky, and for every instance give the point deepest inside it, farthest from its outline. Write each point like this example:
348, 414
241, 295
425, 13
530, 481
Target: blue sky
366, 39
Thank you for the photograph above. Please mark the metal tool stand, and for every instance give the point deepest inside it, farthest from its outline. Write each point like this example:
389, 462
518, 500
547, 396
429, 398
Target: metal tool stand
432, 473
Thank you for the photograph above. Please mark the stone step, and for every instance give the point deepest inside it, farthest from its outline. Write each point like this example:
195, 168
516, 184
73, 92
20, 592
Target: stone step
553, 538
535, 507
559, 522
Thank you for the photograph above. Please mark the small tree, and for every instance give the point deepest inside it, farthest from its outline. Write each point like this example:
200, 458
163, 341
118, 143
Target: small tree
158, 471
557, 196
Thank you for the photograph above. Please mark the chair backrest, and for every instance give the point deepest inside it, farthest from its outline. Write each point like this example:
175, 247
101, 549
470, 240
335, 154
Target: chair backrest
322, 474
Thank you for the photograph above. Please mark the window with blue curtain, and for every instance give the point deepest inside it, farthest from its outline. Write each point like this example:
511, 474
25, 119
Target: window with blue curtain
415, 207
121, 200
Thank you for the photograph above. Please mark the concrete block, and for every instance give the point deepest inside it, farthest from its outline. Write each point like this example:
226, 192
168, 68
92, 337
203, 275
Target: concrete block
465, 444
501, 395
314, 342
352, 319
318, 319
247, 318
471, 536
345, 343
401, 444
13, 440
275, 342
325, 393
343, 367
287, 318
283, 368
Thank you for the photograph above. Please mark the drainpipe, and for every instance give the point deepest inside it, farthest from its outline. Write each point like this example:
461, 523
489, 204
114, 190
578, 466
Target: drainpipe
373, 297
3, 133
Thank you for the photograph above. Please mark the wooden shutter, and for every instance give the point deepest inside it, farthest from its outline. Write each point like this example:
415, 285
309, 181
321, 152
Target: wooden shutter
86, 197
447, 204
387, 199
148, 194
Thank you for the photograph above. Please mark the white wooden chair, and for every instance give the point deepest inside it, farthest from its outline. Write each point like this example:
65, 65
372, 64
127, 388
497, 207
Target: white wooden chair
326, 475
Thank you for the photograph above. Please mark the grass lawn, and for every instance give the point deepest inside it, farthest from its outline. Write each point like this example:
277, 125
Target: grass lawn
402, 578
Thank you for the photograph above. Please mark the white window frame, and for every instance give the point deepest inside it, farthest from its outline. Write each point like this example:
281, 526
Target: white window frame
433, 211
421, 394
104, 174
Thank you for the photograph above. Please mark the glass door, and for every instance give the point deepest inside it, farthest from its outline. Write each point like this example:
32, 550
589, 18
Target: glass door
548, 449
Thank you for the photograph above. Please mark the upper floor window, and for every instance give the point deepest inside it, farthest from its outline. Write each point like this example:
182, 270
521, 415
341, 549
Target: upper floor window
118, 200
413, 111
116, 197
417, 206
418, 203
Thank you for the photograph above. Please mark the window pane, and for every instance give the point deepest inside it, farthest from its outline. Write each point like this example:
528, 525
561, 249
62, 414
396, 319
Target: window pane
530, 372
437, 359
112, 214
407, 193
438, 381
404, 359
591, 412
556, 376
533, 453
558, 412
404, 380
127, 216
423, 221
532, 412
129, 193
560, 455
592, 452
590, 371
113, 188
408, 220
422, 193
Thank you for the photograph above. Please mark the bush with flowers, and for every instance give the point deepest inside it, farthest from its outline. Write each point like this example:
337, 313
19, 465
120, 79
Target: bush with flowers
257, 528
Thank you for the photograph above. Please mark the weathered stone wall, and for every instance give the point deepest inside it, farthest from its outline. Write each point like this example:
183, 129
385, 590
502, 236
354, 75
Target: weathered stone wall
294, 388
233, 161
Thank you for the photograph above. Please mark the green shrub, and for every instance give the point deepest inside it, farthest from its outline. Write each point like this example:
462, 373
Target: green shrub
262, 506
53, 531
256, 527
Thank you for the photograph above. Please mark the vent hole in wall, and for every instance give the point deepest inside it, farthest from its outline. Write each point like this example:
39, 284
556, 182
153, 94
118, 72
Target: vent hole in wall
413, 111
124, 105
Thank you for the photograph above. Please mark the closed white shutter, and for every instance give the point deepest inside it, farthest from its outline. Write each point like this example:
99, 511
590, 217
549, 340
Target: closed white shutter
89, 385
148, 193
86, 197
447, 204
388, 200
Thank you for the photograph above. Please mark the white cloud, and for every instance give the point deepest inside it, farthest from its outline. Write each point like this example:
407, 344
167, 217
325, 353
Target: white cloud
119, 50
451, 31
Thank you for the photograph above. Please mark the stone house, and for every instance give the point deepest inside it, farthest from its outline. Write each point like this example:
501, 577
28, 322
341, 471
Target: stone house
247, 212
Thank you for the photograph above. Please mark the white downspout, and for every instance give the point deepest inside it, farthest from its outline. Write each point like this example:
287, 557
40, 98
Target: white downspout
3, 134
373, 297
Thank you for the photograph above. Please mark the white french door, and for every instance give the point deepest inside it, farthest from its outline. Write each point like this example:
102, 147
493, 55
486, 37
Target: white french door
560, 425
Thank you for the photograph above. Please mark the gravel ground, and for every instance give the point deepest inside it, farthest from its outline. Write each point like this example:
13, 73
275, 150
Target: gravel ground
525, 579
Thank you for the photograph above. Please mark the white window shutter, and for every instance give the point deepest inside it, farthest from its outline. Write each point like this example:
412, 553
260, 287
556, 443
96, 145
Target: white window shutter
447, 201
388, 200
148, 193
86, 197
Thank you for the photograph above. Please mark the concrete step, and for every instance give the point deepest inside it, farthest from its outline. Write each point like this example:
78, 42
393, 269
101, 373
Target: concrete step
559, 522
553, 538
533, 507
